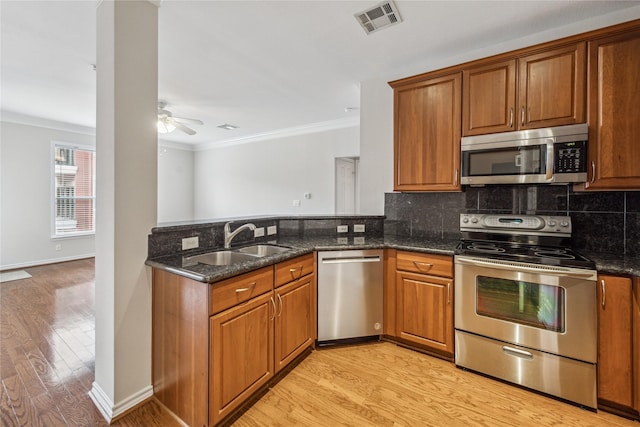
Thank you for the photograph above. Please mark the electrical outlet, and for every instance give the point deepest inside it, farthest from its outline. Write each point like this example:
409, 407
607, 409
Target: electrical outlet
190, 243
358, 228
258, 232
58, 247
343, 229
343, 240
358, 240
271, 230
296, 202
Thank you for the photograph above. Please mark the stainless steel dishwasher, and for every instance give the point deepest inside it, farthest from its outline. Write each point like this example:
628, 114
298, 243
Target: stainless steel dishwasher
349, 295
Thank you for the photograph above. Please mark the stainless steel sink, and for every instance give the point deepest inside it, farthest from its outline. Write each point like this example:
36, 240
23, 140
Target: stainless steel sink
263, 250
219, 258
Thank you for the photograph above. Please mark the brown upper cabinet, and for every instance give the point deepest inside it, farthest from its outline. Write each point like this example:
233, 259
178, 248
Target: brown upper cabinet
538, 90
614, 117
427, 134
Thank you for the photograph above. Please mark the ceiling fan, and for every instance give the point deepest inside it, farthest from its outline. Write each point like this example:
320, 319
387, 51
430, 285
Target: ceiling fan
168, 123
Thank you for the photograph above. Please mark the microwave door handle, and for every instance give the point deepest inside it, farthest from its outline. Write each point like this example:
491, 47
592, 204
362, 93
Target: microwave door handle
550, 161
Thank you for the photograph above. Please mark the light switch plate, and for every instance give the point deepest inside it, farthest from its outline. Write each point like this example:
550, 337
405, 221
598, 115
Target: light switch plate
190, 243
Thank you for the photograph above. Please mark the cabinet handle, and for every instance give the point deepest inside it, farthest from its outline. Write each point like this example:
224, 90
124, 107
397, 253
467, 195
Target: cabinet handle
248, 288
593, 171
522, 116
604, 293
293, 270
511, 117
455, 177
418, 264
274, 308
449, 293
280, 301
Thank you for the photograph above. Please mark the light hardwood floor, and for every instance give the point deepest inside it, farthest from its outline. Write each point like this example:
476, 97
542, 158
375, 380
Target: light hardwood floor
47, 358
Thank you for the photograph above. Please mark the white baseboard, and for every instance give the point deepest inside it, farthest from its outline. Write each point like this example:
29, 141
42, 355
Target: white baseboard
111, 411
45, 261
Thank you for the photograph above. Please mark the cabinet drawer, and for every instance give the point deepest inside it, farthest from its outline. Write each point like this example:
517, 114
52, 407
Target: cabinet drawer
435, 265
239, 289
294, 269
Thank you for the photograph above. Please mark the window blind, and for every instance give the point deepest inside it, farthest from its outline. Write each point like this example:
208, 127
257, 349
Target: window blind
74, 181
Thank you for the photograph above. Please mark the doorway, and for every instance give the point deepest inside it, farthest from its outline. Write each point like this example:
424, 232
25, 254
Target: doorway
347, 185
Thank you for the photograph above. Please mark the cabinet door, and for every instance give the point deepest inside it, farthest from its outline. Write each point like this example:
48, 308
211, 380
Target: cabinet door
489, 98
427, 135
614, 117
425, 310
294, 328
615, 341
241, 354
552, 87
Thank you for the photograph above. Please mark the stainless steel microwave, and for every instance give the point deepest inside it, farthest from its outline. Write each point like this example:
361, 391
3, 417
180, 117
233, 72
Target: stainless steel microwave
555, 155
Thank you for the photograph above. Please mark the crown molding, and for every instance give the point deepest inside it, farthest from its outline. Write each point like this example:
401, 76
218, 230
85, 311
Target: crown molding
22, 119
163, 143
282, 133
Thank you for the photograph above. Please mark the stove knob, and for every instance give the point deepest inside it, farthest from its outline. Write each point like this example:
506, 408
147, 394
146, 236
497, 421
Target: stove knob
465, 220
551, 223
474, 220
564, 224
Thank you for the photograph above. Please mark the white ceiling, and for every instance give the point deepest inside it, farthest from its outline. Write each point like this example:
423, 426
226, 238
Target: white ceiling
265, 66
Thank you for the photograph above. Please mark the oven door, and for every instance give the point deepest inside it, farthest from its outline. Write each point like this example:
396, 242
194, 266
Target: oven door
548, 308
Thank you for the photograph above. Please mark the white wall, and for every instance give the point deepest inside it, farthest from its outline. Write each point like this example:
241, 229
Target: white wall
376, 145
25, 222
264, 177
26, 199
175, 182
376, 104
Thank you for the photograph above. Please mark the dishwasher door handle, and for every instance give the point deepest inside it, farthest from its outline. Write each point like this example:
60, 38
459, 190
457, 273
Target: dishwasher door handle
351, 260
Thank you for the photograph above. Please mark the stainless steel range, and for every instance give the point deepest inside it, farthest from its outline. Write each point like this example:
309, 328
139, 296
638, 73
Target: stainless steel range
525, 305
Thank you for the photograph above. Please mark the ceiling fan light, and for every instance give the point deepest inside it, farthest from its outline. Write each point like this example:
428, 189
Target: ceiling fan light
164, 127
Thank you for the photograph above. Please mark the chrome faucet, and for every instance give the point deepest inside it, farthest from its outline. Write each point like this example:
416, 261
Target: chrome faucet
228, 235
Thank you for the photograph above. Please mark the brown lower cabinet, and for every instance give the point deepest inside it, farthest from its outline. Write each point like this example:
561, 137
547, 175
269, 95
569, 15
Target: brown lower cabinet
215, 345
419, 301
241, 354
618, 345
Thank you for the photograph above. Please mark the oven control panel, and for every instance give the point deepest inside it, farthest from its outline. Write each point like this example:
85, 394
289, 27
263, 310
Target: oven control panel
506, 222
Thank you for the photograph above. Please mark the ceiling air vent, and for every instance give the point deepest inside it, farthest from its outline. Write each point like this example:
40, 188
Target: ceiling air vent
380, 16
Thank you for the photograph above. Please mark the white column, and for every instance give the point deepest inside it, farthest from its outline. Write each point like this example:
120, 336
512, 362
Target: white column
126, 155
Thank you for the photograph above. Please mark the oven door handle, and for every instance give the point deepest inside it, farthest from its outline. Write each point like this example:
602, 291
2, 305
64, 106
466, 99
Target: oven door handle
508, 265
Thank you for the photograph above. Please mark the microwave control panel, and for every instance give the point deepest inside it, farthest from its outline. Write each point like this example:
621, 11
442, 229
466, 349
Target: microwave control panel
570, 157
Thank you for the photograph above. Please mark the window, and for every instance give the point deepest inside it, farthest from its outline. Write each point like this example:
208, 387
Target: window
74, 190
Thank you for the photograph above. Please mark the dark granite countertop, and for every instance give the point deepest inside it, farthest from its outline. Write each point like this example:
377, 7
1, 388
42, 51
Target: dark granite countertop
615, 264
605, 263
211, 273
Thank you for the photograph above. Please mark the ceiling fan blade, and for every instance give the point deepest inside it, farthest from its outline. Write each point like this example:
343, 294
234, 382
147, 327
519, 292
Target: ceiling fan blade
194, 121
180, 126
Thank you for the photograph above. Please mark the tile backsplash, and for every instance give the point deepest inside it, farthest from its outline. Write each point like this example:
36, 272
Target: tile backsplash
604, 222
